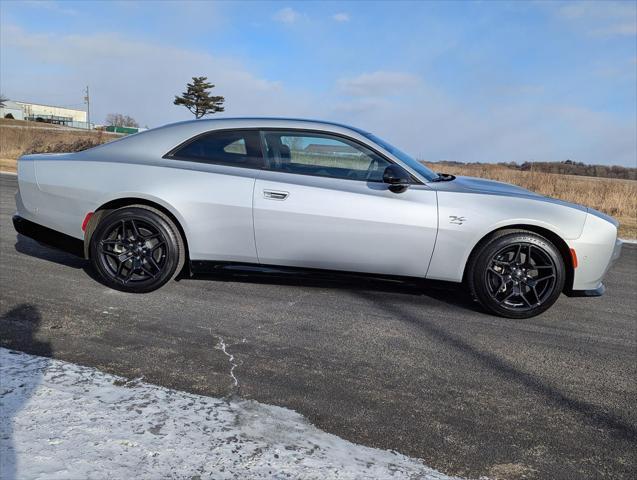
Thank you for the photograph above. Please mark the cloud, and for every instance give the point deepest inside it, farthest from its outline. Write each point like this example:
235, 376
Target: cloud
609, 18
140, 77
627, 29
287, 15
378, 83
132, 77
50, 5
341, 17
432, 125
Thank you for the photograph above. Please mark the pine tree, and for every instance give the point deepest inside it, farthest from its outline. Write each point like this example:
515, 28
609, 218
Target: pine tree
198, 100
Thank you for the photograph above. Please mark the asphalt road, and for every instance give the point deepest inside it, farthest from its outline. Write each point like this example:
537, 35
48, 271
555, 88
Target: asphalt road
418, 369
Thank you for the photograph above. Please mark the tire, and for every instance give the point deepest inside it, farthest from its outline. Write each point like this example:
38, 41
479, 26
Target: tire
136, 249
516, 274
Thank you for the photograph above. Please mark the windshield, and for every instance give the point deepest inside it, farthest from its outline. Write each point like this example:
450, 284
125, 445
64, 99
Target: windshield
403, 157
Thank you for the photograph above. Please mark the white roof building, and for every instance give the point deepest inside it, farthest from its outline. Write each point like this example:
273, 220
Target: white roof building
44, 113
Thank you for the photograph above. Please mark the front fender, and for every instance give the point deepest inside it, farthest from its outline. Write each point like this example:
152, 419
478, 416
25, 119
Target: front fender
466, 218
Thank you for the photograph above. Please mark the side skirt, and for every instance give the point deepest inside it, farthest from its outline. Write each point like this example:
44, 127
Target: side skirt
203, 267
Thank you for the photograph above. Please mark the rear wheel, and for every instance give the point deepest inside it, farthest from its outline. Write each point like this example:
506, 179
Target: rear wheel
136, 249
516, 274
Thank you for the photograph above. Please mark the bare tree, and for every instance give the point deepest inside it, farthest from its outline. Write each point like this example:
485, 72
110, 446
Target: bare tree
3, 100
119, 120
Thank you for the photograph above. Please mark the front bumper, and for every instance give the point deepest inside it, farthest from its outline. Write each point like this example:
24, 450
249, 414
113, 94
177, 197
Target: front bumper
600, 289
596, 292
48, 237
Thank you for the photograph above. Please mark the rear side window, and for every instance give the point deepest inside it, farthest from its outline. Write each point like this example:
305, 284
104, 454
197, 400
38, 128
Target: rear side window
234, 148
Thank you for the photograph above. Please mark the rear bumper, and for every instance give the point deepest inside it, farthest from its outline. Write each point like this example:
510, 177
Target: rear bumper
47, 236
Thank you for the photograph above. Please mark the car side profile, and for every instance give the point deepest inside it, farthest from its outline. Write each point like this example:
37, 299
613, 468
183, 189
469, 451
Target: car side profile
311, 195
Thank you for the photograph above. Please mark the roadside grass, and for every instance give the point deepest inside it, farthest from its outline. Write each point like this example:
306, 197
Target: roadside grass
614, 197
20, 137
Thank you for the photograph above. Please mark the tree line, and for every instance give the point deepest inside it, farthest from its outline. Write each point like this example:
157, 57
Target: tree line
566, 167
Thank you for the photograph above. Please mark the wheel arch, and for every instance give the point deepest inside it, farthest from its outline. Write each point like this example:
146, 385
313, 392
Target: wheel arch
114, 204
550, 235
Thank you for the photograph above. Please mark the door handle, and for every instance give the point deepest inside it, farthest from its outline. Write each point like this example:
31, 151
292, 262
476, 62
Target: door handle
275, 194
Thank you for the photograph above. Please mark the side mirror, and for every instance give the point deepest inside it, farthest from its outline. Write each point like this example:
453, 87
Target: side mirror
397, 178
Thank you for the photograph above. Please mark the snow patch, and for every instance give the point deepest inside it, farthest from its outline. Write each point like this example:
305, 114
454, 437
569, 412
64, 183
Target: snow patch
63, 421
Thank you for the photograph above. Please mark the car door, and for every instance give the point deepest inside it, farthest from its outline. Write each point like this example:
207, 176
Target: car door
213, 189
320, 203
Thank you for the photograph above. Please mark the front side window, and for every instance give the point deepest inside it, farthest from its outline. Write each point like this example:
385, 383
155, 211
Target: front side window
322, 155
403, 157
234, 148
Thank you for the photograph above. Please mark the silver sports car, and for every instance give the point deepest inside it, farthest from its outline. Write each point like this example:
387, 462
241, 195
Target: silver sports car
312, 195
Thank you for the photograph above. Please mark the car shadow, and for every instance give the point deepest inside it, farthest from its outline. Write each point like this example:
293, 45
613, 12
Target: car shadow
590, 414
18, 331
32, 248
452, 294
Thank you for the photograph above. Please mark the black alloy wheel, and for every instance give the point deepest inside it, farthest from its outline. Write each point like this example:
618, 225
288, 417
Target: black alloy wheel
517, 274
136, 249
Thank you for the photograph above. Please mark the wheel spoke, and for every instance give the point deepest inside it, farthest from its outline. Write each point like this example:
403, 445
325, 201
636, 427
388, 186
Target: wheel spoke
148, 272
537, 297
114, 241
524, 298
510, 295
496, 273
546, 277
119, 268
527, 260
130, 272
155, 247
152, 261
134, 229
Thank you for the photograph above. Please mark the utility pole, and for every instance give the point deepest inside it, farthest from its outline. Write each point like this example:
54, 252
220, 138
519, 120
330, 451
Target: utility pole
88, 109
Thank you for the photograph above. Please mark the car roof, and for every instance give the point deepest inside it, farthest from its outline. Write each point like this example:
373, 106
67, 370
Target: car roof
283, 122
156, 142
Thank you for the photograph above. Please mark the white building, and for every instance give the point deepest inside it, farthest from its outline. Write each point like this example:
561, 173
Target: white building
44, 113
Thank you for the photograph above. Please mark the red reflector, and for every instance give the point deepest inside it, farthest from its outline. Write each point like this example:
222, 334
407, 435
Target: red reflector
574, 258
86, 220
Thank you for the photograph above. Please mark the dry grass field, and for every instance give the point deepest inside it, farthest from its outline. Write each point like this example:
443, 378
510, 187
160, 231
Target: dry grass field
614, 197
611, 196
17, 137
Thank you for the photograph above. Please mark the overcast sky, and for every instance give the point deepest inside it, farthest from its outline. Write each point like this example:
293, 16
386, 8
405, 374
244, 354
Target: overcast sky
467, 81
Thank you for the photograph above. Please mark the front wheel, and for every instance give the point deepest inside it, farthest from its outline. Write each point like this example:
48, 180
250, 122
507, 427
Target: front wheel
516, 274
136, 249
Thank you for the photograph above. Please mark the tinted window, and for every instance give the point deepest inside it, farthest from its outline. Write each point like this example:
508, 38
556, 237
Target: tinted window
322, 155
408, 160
236, 148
